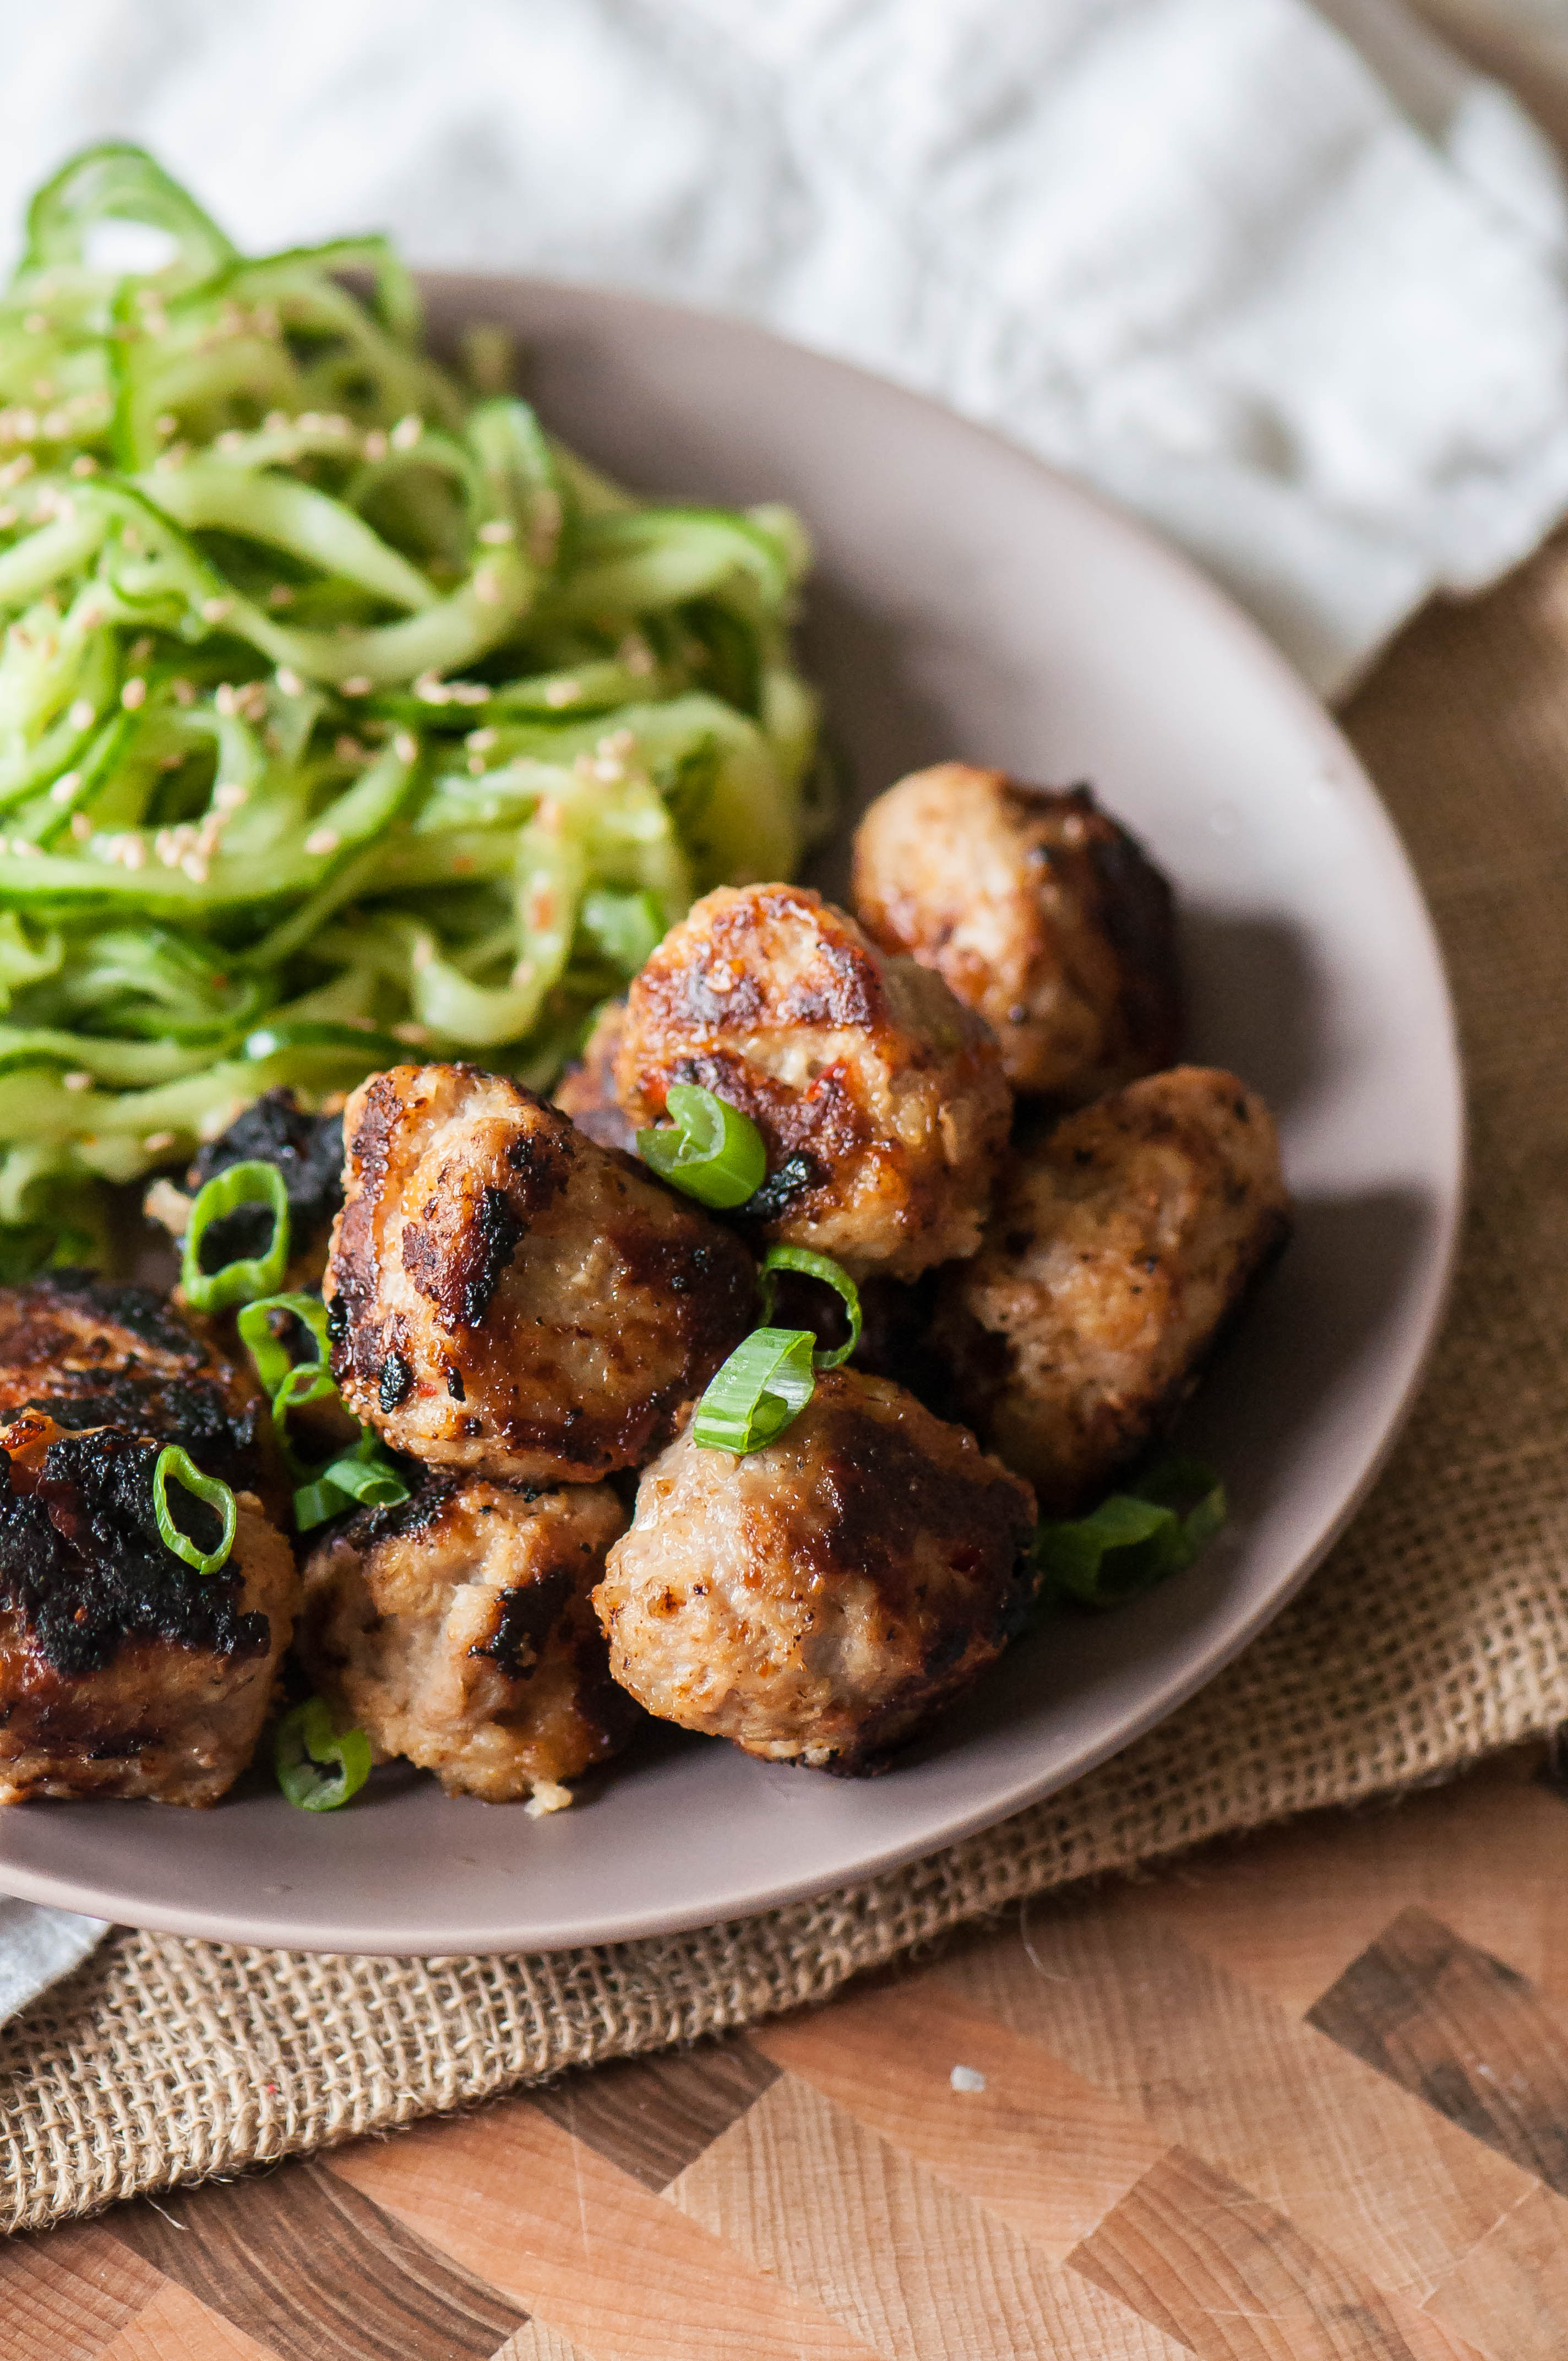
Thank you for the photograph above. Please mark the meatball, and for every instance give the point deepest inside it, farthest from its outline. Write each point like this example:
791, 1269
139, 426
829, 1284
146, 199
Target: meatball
819, 1599
457, 1630
307, 1151
1039, 911
93, 1353
881, 1100
507, 1297
123, 1670
587, 1090
1121, 1244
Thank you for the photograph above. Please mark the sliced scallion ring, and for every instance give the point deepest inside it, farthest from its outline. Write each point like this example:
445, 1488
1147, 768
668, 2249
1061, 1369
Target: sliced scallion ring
364, 1476
319, 1769
709, 1150
1134, 1539
176, 1465
266, 1351
812, 1265
766, 1382
253, 1183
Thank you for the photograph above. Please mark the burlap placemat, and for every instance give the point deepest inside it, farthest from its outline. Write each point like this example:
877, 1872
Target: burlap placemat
1438, 1630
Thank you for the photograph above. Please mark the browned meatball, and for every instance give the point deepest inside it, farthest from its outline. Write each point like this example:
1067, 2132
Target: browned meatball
818, 1600
507, 1297
457, 1630
1121, 1243
587, 1090
881, 1100
1039, 911
123, 1671
93, 1354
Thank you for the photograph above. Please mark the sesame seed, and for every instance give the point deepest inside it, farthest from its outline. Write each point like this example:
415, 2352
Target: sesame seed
36, 323
166, 422
616, 741
277, 421
563, 692
230, 796
468, 692
289, 681
309, 422
405, 746
608, 770
65, 787
359, 686
416, 1035
231, 440
82, 714
487, 587
375, 444
481, 740
7, 518
348, 750
407, 431
77, 1080
541, 908
23, 849
156, 1142
463, 864
140, 651
475, 766
195, 868
214, 611
84, 465
223, 699
323, 839
522, 973
16, 469
134, 694
496, 532
81, 827
280, 595
184, 690
423, 952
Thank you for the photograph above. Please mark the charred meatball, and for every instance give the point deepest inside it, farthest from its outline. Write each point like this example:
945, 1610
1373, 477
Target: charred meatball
1039, 911
123, 1671
881, 1099
819, 1599
91, 1354
457, 1630
586, 1091
1121, 1244
307, 1151
507, 1297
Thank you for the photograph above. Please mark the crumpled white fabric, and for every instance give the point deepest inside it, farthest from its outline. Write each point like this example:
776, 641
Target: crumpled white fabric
1289, 282
1292, 288
37, 1948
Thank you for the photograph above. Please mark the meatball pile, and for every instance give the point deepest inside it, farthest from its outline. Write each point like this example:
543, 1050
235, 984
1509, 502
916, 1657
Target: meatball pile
968, 1096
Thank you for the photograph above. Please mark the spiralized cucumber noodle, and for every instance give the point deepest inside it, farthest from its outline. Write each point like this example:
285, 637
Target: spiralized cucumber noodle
345, 714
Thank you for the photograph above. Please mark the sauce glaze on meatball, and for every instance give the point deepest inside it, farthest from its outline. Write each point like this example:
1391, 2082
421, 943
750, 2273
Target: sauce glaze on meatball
1121, 1244
819, 1599
1039, 911
507, 1297
879, 1098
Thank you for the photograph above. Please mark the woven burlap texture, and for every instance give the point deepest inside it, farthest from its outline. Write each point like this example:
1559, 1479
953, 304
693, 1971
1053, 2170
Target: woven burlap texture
1437, 1630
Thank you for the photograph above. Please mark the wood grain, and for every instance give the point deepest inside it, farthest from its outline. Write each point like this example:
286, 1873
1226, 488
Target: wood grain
1299, 2099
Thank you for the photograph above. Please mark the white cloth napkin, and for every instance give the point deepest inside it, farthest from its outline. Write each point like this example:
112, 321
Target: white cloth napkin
1289, 283
37, 1948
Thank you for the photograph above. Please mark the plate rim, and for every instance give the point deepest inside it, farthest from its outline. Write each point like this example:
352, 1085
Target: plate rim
1253, 647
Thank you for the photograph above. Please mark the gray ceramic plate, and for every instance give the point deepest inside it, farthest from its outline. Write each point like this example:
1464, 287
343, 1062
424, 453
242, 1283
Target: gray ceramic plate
968, 602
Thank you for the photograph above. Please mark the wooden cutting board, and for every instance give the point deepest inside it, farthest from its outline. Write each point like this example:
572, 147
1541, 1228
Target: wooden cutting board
1304, 2098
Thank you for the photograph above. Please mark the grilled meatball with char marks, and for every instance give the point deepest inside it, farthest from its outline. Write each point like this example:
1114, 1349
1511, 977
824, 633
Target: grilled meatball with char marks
819, 1599
881, 1099
507, 1297
123, 1671
456, 1630
1039, 911
586, 1091
93, 1353
1121, 1245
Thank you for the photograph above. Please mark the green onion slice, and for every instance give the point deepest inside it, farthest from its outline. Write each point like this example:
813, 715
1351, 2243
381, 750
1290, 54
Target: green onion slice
319, 1769
766, 1382
364, 1475
267, 1350
171, 1462
709, 1150
814, 1266
1135, 1539
254, 1183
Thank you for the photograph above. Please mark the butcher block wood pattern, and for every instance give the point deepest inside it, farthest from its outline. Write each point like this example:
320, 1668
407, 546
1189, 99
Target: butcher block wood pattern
1301, 2098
